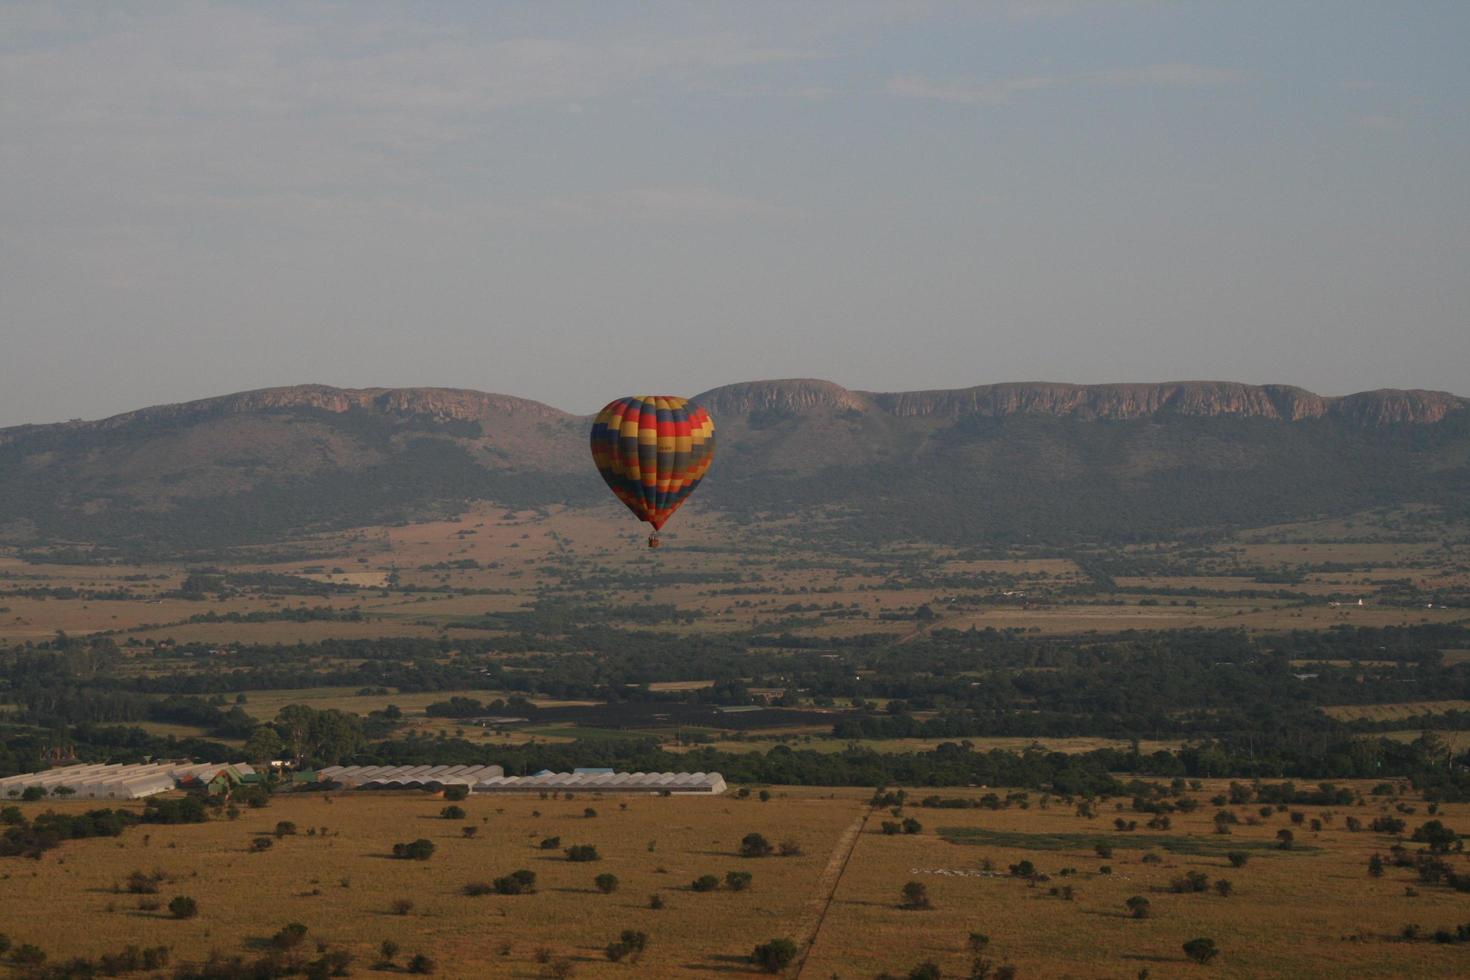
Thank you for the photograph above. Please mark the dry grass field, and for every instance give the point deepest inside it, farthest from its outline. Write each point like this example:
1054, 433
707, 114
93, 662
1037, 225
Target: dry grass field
1310, 912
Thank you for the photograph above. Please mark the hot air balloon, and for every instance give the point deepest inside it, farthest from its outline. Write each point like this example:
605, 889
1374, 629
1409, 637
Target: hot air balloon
653, 450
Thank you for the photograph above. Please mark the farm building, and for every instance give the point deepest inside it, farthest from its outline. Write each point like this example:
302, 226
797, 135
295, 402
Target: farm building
406, 777
492, 779
126, 782
711, 783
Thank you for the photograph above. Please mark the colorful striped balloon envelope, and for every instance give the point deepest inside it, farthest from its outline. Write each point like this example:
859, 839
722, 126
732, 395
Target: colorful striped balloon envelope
652, 450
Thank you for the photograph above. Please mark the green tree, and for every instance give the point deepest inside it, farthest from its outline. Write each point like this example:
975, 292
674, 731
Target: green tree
1201, 950
263, 746
775, 956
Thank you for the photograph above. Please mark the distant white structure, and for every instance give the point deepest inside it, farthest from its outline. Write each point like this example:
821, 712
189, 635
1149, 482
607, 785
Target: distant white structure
492, 779
406, 777
114, 781
709, 783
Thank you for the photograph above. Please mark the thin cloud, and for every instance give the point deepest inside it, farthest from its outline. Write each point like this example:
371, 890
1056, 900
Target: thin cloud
672, 203
970, 92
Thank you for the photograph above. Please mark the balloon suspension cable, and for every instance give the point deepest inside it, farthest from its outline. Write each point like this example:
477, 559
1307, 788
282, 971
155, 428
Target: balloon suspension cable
653, 540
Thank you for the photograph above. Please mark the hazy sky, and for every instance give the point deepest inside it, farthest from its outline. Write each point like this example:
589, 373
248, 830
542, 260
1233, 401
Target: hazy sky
572, 202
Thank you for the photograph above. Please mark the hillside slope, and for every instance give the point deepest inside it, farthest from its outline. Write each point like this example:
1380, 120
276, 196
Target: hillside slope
992, 463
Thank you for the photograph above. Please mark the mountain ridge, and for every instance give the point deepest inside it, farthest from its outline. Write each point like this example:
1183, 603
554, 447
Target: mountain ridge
989, 465
1115, 401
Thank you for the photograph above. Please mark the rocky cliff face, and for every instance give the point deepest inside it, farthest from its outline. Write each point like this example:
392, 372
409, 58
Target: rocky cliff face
445, 404
1201, 399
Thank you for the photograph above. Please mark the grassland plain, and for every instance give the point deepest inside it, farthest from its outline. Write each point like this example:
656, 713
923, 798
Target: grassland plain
1309, 912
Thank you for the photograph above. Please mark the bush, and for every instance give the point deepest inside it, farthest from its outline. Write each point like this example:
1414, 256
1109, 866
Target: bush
477, 888
421, 964
550, 843
388, 951
456, 793
183, 907
737, 881
402, 906
285, 828
419, 850
452, 812
261, 844
1201, 950
469, 831
4, 944
705, 883
516, 883
582, 852
754, 846
1138, 907
912, 826
916, 895
589, 813
774, 956
289, 936
606, 883
655, 901
925, 971
892, 828
1237, 859
629, 945
29, 954
790, 848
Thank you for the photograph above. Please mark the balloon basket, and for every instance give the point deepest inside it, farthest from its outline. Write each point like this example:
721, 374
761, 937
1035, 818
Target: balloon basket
653, 540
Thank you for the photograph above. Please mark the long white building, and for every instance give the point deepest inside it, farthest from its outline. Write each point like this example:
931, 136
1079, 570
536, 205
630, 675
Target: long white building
114, 781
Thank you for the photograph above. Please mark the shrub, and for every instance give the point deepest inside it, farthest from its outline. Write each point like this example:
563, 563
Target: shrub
705, 883
774, 956
1193, 881
912, 826
629, 945
655, 901
388, 951
1223, 888
1201, 950
582, 852
1284, 839
143, 883
755, 846
606, 883
419, 850
1023, 869
402, 906
421, 964
1237, 859
4, 944
477, 888
452, 812
516, 883
978, 941
737, 881
29, 954
285, 828
469, 831
550, 843
456, 793
589, 813
1138, 907
915, 896
1103, 851
289, 936
183, 907
1375, 866
261, 844
789, 848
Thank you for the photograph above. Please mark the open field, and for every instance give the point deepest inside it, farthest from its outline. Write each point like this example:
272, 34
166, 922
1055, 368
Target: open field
1393, 712
341, 884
